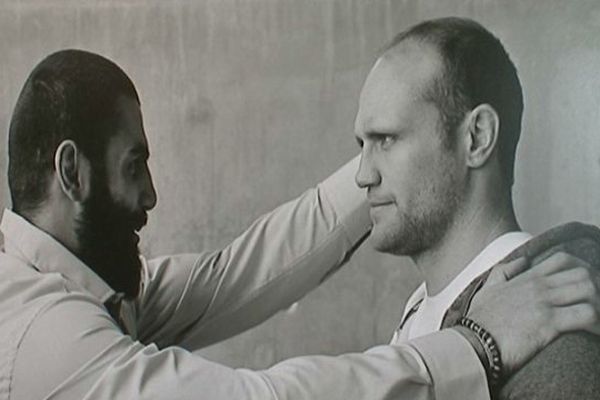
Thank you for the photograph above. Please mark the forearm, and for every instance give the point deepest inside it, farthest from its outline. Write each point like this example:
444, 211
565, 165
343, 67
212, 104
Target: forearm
205, 298
439, 366
130, 370
103, 363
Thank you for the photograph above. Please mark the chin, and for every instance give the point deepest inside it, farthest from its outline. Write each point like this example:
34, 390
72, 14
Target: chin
383, 241
396, 242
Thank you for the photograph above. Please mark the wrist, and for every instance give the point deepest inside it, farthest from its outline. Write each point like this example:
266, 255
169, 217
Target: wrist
486, 348
471, 337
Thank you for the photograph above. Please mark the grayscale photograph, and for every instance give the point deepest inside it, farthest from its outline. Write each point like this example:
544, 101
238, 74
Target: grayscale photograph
300, 200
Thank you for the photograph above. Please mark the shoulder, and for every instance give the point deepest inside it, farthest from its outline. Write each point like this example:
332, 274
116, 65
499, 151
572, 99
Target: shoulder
27, 295
22, 287
40, 320
567, 369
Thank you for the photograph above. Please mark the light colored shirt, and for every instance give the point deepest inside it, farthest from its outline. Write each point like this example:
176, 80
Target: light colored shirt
57, 340
431, 310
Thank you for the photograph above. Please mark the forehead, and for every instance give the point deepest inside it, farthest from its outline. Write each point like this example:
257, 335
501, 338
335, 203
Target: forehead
129, 128
395, 85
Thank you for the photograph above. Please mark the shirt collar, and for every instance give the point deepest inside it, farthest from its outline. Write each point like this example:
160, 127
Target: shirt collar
45, 254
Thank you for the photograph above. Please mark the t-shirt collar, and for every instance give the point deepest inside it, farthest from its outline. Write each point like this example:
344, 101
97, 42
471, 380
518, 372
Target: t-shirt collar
492, 254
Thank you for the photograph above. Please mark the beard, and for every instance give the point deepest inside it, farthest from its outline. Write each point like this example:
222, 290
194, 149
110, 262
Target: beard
410, 234
106, 230
422, 224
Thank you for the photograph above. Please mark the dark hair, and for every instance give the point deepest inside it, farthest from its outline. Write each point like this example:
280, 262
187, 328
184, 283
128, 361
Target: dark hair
71, 94
476, 70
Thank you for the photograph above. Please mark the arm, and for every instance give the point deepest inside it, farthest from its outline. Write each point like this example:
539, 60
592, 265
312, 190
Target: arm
242, 282
98, 362
197, 299
72, 349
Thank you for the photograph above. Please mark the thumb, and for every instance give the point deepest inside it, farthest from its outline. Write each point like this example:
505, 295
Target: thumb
506, 271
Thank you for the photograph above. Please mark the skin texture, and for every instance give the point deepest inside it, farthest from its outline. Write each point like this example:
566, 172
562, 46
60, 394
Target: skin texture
414, 181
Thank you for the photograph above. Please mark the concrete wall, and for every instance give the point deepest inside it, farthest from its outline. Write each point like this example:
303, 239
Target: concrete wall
246, 103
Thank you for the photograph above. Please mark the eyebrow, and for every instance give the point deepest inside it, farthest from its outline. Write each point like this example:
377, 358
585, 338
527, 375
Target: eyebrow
377, 134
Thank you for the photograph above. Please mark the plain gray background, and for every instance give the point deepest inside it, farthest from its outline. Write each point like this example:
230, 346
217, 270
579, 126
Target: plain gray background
247, 103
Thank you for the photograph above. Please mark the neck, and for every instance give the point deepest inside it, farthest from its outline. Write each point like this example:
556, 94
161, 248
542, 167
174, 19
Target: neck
467, 237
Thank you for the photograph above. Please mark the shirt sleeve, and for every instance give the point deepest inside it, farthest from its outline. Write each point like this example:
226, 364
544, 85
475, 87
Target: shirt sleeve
193, 300
73, 350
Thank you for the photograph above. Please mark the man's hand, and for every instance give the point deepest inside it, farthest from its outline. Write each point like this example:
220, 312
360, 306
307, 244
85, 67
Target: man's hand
524, 311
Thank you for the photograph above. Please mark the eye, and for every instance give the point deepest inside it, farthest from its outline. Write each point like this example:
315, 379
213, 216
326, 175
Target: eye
385, 141
360, 142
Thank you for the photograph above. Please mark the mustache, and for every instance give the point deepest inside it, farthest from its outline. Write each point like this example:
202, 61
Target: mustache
116, 221
121, 218
138, 219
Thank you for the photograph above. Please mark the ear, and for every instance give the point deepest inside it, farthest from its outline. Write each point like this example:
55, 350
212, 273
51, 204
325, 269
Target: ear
483, 125
73, 171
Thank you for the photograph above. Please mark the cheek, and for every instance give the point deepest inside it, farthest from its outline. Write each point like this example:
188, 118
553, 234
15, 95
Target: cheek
443, 182
410, 173
124, 193
425, 182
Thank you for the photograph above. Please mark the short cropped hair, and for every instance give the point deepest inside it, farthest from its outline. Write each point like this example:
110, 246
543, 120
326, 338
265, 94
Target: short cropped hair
476, 70
71, 94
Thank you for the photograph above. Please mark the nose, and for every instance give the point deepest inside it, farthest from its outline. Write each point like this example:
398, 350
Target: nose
148, 198
367, 175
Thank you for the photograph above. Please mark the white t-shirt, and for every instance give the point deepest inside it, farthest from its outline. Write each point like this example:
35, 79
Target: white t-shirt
428, 317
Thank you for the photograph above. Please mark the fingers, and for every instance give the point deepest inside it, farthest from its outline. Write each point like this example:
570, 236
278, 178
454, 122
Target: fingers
572, 293
568, 277
563, 268
524, 311
568, 286
554, 264
577, 317
505, 272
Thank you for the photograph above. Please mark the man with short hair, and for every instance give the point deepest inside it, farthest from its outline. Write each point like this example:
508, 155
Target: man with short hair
438, 122
83, 316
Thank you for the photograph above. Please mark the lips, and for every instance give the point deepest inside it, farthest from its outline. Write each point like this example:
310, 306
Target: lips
139, 221
378, 207
380, 204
